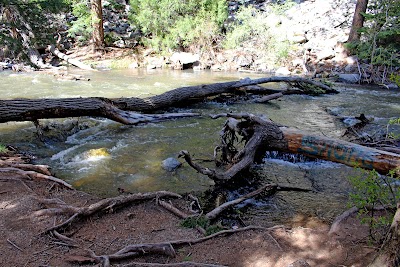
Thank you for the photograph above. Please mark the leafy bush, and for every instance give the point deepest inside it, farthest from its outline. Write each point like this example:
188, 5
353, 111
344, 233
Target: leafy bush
169, 24
81, 28
261, 31
373, 191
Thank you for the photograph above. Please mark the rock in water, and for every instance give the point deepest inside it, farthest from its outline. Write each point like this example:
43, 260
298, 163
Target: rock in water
171, 164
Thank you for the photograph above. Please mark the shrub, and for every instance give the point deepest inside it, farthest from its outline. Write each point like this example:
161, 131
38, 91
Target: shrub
81, 28
373, 191
170, 24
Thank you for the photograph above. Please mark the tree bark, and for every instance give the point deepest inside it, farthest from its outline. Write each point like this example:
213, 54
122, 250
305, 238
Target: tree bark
264, 135
34, 109
97, 24
358, 20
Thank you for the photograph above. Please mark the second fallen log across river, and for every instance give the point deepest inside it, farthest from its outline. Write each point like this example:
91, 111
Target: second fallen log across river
261, 135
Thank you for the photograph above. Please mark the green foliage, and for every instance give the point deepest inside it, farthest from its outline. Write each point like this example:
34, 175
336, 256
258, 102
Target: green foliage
392, 135
262, 32
202, 221
380, 42
169, 24
81, 28
395, 78
192, 222
35, 18
371, 191
394, 121
3, 149
281, 8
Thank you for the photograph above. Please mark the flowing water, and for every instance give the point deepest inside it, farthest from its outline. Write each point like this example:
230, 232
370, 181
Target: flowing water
107, 155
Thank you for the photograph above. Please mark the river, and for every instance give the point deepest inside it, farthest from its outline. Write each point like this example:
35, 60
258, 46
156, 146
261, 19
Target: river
107, 155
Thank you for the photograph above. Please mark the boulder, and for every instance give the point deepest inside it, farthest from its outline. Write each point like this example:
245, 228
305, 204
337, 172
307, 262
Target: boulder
187, 60
391, 86
170, 164
349, 77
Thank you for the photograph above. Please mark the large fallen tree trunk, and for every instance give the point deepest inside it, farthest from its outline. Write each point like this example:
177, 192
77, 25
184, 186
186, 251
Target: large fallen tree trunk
34, 109
262, 135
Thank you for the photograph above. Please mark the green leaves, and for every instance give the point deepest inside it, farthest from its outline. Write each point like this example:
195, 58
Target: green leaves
82, 26
373, 191
168, 24
380, 44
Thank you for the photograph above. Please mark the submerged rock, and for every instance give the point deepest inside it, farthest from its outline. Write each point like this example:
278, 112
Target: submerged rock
171, 164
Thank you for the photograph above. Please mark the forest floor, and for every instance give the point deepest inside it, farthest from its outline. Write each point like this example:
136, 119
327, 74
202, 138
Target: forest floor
22, 242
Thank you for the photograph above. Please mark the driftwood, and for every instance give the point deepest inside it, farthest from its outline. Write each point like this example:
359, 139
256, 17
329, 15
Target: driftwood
104, 205
116, 109
180, 264
77, 63
268, 188
167, 248
31, 110
279, 94
34, 175
261, 135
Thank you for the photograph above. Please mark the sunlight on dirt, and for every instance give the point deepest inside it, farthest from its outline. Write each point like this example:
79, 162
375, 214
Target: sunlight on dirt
6, 205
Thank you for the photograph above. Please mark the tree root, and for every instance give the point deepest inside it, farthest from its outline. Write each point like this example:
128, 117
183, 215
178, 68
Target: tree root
34, 175
180, 264
166, 248
339, 219
269, 188
104, 205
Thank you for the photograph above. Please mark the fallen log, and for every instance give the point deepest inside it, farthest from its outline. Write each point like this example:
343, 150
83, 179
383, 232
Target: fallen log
117, 109
32, 110
262, 135
75, 62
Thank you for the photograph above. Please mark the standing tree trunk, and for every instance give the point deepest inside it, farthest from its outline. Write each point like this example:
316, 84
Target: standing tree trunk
97, 24
358, 20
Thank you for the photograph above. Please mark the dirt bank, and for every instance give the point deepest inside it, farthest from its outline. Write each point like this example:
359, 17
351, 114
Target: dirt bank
23, 244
